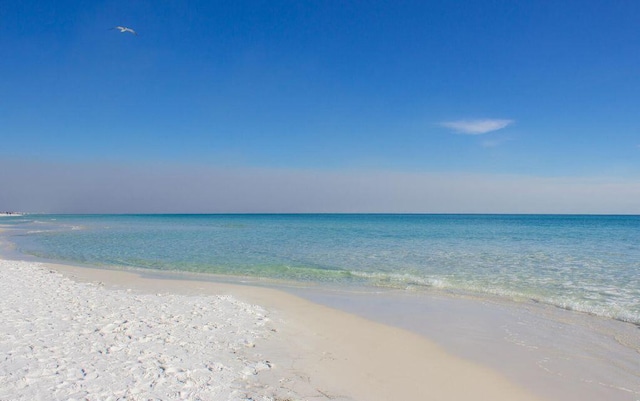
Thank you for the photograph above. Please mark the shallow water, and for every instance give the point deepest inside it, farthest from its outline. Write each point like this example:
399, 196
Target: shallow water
452, 278
583, 263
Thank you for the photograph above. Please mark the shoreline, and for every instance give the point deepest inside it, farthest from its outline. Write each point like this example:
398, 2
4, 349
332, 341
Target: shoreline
343, 346
554, 353
543, 351
319, 349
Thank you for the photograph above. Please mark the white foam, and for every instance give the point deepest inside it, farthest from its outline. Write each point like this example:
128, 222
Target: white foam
61, 339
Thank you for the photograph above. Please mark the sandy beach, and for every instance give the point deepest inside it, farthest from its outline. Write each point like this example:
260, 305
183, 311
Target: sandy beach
82, 333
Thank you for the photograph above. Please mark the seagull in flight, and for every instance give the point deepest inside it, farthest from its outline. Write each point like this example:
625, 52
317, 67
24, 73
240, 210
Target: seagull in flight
124, 29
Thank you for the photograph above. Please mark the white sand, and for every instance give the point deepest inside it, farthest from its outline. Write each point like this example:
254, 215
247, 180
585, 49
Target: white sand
63, 339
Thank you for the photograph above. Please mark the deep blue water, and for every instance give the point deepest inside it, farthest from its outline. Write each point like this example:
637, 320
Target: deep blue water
585, 263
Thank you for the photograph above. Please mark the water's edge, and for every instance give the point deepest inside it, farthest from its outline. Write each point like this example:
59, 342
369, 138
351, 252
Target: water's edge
556, 353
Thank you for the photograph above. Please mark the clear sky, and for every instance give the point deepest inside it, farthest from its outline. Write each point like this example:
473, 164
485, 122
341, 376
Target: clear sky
403, 106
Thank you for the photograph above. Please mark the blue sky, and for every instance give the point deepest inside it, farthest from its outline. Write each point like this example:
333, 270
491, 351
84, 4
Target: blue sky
492, 89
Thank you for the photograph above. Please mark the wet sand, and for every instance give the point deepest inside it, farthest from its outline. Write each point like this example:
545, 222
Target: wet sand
556, 354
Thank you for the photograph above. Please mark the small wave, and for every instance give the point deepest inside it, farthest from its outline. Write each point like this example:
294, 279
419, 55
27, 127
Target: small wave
409, 282
400, 280
612, 312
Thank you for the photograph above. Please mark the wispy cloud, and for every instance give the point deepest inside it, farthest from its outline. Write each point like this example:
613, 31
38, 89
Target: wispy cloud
476, 127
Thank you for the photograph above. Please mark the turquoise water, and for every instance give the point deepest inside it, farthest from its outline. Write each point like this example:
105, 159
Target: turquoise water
584, 263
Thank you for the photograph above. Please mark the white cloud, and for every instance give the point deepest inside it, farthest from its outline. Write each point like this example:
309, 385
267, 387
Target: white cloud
476, 127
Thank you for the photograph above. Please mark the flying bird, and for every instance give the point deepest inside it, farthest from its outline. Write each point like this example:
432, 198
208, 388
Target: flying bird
124, 29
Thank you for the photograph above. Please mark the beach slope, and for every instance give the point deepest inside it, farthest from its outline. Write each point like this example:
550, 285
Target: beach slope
75, 333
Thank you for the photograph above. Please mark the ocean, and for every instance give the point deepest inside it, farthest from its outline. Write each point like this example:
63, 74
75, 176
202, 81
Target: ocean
583, 263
